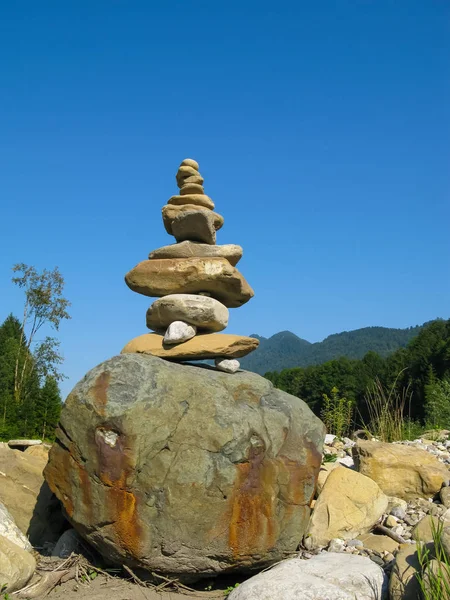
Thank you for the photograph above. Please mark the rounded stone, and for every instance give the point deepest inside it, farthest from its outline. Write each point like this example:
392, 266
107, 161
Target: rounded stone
184, 172
194, 179
207, 314
183, 469
197, 199
191, 188
179, 332
159, 277
189, 162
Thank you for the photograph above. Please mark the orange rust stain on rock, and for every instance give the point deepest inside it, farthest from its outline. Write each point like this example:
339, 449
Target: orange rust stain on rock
254, 526
99, 392
262, 483
121, 504
57, 475
244, 393
85, 488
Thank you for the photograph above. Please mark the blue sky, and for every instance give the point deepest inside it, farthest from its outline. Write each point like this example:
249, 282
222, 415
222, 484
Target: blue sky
321, 128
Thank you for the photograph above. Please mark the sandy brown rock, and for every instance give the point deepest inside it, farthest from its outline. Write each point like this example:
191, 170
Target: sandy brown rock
401, 471
380, 543
184, 469
39, 451
191, 188
189, 162
197, 199
159, 277
423, 531
195, 226
197, 179
26, 495
16, 566
349, 505
205, 313
172, 211
201, 347
403, 584
185, 171
232, 252
325, 470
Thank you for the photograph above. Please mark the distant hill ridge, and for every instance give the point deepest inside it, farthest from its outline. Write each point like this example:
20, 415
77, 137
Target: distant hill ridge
285, 350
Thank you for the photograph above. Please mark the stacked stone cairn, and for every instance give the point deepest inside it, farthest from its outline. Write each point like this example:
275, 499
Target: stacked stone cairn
196, 282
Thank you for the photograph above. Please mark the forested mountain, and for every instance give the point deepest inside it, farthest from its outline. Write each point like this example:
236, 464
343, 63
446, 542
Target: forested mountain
419, 373
285, 350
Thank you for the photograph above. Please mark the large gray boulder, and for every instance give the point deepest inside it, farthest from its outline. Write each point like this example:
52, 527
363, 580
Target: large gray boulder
183, 469
328, 576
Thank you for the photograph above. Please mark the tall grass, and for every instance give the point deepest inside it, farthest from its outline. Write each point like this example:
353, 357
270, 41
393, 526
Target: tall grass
434, 576
386, 407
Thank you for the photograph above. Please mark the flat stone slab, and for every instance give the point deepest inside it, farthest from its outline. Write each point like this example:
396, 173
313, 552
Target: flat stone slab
23, 443
208, 345
232, 252
160, 277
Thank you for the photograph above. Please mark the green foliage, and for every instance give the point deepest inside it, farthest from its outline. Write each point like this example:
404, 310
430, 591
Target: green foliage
44, 305
434, 574
337, 412
47, 408
404, 377
30, 401
437, 404
329, 458
230, 588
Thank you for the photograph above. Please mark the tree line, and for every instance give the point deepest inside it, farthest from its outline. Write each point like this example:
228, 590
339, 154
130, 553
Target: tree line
30, 400
419, 373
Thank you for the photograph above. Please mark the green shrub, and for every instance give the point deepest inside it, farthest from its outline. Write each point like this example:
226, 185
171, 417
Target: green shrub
337, 413
437, 404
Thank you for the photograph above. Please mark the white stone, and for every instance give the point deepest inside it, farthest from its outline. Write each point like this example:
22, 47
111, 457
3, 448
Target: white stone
328, 576
336, 545
229, 365
10, 531
179, 332
329, 439
346, 461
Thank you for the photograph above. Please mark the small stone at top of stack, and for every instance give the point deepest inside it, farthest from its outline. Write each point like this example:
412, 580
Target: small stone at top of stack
196, 281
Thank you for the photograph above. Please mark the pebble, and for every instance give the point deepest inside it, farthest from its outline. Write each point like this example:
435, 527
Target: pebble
336, 545
228, 365
179, 332
355, 543
391, 521
398, 512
